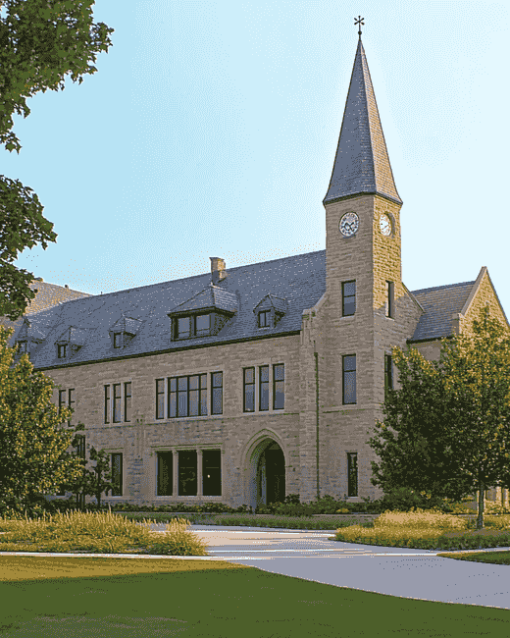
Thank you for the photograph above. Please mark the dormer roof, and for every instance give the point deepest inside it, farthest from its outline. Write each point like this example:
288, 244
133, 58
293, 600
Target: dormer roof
270, 302
210, 299
126, 325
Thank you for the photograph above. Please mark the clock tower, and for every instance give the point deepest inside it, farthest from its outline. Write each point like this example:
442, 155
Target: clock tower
366, 310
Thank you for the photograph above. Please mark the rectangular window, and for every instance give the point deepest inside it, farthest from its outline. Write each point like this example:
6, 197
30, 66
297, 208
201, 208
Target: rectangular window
116, 402
388, 373
264, 319
80, 446
352, 474
165, 471
217, 393
184, 327
249, 390
117, 340
172, 397
62, 350
160, 399
22, 346
211, 472
71, 402
349, 379
264, 388
61, 400
107, 404
116, 460
188, 473
198, 395
348, 298
127, 401
389, 288
182, 396
278, 386
202, 324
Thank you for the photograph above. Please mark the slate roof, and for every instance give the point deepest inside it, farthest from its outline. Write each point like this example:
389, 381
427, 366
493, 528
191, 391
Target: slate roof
362, 163
440, 304
299, 280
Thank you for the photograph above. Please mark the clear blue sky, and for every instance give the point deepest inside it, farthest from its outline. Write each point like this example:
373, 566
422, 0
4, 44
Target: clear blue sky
210, 130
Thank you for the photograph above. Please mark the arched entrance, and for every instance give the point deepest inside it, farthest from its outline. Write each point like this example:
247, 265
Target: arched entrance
267, 474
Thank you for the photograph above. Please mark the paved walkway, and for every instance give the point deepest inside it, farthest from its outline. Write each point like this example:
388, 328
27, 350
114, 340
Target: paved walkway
311, 555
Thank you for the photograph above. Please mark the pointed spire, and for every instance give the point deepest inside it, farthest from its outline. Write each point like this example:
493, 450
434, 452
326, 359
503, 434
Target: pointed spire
362, 164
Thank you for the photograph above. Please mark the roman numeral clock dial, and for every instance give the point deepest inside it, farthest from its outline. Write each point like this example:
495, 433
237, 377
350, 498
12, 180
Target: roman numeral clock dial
349, 224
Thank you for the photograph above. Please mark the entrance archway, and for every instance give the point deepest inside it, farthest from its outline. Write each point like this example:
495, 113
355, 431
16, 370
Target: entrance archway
266, 467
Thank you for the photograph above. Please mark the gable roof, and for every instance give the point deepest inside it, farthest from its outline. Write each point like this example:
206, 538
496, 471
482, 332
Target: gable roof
295, 283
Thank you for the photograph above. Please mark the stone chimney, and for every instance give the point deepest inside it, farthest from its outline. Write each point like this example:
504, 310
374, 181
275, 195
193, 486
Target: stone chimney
218, 271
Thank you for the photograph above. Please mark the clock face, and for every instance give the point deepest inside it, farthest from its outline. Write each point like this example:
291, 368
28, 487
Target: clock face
385, 225
349, 224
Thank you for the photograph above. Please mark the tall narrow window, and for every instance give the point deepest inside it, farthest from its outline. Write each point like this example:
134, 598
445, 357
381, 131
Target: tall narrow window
182, 398
389, 289
116, 460
352, 474
203, 395
388, 373
165, 472
116, 402
188, 473
172, 397
160, 398
249, 390
80, 446
198, 395
127, 401
117, 339
61, 400
264, 388
278, 386
349, 379
70, 402
211, 472
107, 404
348, 298
217, 393
62, 351
264, 318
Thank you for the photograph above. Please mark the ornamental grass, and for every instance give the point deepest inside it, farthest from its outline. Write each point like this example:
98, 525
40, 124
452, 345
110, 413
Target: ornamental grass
428, 530
98, 532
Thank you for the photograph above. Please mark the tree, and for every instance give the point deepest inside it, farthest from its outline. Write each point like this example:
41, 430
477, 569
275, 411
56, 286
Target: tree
447, 430
41, 42
100, 478
34, 436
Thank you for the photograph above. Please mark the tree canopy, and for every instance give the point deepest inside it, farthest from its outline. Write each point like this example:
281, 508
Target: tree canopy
41, 42
447, 430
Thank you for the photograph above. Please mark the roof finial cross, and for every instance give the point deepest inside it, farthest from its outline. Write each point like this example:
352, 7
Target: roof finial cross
360, 22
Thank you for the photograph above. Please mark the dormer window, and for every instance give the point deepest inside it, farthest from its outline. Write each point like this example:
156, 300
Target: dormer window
62, 351
22, 347
264, 318
117, 340
194, 326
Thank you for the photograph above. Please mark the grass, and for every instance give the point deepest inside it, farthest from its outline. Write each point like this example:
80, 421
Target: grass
94, 596
114, 597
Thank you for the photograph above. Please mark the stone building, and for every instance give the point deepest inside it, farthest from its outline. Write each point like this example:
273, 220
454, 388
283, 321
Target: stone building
247, 384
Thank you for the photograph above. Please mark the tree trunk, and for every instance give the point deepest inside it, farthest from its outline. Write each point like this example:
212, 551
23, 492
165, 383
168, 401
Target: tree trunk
481, 504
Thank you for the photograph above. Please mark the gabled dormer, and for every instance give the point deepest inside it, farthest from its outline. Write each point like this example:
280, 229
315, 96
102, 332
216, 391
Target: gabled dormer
123, 331
29, 337
269, 311
70, 341
203, 315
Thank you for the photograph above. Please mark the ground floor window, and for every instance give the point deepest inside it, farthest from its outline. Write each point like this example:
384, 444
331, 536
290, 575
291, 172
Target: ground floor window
165, 472
352, 474
116, 461
211, 472
187, 473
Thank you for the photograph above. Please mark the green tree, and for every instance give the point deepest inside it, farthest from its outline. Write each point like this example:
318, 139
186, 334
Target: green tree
447, 430
34, 436
41, 42
100, 479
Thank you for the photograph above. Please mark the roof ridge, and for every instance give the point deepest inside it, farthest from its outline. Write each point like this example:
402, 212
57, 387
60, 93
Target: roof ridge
465, 283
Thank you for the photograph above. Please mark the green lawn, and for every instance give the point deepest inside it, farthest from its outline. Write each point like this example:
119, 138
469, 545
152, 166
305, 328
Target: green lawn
96, 597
